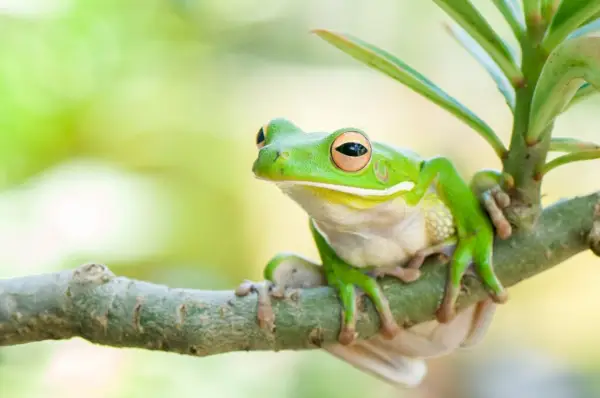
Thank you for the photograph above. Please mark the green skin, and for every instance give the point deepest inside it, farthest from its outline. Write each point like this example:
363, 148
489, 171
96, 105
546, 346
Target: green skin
289, 155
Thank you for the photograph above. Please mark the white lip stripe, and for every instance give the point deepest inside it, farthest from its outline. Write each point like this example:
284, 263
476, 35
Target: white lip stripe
402, 186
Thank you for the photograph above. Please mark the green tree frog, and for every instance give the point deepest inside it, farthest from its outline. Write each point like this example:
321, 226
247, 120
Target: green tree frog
399, 361
376, 210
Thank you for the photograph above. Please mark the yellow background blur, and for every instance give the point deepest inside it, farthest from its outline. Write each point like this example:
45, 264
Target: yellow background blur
127, 135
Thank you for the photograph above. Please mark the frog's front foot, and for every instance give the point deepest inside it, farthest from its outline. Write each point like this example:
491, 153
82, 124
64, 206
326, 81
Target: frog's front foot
488, 186
475, 248
265, 290
495, 200
346, 279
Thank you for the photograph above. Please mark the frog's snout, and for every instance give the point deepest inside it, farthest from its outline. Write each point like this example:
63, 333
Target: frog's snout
270, 160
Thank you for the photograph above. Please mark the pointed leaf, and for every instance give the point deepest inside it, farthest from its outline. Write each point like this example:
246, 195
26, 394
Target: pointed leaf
513, 14
571, 14
467, 16
570, 158
549, 8
571, 145
592, 26
587, 89
595, 17
584, 92
532, 8
386, 63
486, 61
568, 67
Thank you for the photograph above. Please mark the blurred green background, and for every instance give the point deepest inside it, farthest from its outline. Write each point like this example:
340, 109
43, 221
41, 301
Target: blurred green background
127, 135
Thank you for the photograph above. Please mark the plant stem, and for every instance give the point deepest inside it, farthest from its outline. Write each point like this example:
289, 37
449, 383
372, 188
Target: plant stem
523, 161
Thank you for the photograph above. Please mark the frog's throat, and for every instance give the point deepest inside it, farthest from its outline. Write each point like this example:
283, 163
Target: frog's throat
403, 186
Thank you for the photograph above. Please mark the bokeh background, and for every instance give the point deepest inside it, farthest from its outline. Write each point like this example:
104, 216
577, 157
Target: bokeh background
127, 135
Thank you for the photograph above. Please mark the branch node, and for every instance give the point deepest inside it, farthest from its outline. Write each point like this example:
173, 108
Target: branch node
137, 315
315, 337
92, 275
518, 83
103, 321
181, 314
17, 316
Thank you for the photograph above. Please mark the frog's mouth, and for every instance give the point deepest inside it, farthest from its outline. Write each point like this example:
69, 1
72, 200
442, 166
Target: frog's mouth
403, 186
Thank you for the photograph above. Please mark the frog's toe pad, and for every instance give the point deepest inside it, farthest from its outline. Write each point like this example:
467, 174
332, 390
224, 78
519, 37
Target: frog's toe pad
501, 197
389, 329
411, 275
495, 202
445, 314
500, 298
244, 288
347, 335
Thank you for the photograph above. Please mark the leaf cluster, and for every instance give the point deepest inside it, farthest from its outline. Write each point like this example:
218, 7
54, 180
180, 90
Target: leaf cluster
556, 64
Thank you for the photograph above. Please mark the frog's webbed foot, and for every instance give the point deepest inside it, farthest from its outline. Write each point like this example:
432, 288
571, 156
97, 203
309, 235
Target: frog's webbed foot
475, 248
411, 271
400, 361
346, 279
487, 186
495, 200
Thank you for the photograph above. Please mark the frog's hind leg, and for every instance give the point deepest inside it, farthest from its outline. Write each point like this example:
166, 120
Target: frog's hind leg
482, 319
401, 361
377, 357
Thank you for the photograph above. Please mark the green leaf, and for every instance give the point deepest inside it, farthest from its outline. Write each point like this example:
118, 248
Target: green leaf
513, 14
386, 63
595, 17
591, 26
571, 145
467, 16
573, 63
532, 8
584, 92
570, 158
486, 61
571, 14
549, 8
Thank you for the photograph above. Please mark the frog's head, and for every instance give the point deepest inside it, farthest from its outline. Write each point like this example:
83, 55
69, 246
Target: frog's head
341, 166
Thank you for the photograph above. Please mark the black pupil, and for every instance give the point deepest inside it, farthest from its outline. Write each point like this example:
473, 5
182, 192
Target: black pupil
260, 137
352, 149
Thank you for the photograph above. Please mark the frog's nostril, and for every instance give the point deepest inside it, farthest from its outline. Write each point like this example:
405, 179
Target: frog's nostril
283, 155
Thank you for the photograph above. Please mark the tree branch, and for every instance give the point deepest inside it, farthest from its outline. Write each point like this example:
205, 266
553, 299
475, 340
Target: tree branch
92, 303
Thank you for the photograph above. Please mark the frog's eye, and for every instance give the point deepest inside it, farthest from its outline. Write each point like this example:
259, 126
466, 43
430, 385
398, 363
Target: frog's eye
260, 138
351, 151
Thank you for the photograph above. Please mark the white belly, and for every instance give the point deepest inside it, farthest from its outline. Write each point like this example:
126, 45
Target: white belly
389, 246
387, 234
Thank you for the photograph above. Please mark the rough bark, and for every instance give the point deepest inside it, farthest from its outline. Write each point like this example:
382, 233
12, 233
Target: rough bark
92, 303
